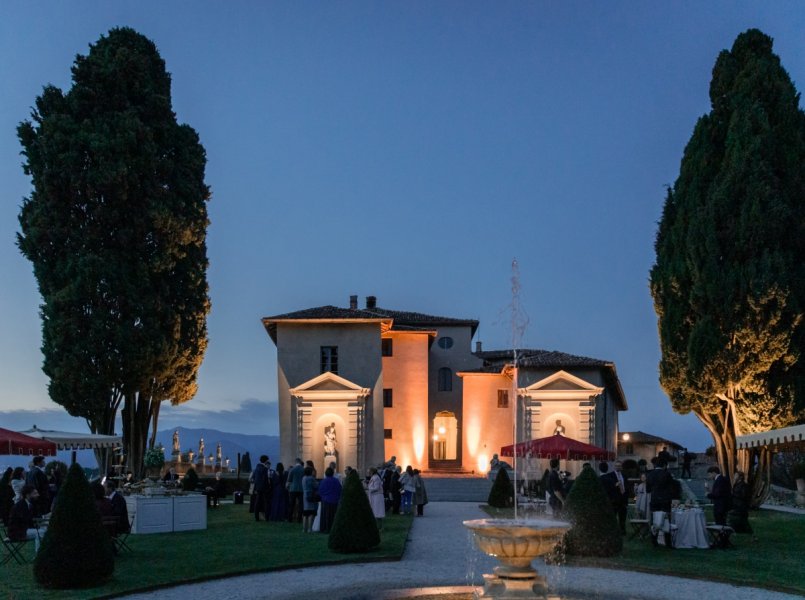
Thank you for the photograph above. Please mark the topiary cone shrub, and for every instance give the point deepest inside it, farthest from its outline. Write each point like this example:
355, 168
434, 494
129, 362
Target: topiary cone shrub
502, 493
354, 528
76, 551
594, 530
190, 480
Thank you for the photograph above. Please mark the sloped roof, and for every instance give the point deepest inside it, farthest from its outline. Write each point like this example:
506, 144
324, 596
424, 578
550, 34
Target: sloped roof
495, 361
641, 437
539, 358
398, 319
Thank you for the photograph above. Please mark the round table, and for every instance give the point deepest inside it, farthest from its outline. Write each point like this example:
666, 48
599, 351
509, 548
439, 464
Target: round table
691, 528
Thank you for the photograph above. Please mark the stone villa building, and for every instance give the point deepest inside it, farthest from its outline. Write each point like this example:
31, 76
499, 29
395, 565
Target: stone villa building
358, 385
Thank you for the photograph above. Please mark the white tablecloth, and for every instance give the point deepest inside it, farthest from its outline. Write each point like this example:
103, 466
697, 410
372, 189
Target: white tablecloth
691, 529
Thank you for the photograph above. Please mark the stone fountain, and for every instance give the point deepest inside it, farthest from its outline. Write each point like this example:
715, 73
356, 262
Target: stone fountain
515, 543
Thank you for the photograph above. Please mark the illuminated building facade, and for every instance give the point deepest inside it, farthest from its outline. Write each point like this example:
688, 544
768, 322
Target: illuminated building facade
358, 385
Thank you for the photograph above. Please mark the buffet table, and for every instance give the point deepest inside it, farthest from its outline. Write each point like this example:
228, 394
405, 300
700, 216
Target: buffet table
163, 514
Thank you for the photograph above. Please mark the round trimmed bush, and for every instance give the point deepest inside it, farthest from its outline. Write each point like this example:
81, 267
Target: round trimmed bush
502, 493
354, 528
190, 480
594, 530
76, 551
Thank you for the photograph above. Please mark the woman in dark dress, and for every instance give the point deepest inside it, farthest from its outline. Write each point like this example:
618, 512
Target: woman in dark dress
279, 495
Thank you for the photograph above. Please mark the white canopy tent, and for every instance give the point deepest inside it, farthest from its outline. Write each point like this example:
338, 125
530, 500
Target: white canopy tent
66, 440
75, 441
786, 438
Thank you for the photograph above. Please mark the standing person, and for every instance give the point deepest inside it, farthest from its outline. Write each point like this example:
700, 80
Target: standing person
720, 494
21, 524
641, 498
556, 496
420, 493
37, 478
738, 516
396, 491
309, 463
615, 487
687, 458
294, 486
407, 483
374, 489
310, 501
662, 487
6, 495
17, 481
260, 478
279, 494
330, 493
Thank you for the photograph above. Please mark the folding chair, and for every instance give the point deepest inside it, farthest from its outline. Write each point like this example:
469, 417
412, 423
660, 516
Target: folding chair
13, 547
120, 538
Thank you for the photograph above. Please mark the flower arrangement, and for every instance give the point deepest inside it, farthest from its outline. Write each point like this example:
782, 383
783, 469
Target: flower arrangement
155, 457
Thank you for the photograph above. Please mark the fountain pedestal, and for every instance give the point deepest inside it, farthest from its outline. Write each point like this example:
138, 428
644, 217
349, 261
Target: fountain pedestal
515, 543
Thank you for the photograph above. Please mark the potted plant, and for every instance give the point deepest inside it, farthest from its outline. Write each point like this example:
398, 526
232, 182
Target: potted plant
154, 460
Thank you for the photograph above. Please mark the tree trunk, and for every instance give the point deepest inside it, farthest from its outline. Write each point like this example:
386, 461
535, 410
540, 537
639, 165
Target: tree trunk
756, 464
136, 417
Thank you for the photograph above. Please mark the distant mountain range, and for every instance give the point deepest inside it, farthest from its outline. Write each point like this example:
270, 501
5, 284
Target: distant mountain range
231, 443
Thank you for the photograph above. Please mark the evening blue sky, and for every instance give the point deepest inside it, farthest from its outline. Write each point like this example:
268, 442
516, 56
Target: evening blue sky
407, 150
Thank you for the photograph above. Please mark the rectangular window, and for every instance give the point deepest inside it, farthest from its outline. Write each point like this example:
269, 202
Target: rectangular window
388, 401
386, 347
329, 359
387, 434
503, 398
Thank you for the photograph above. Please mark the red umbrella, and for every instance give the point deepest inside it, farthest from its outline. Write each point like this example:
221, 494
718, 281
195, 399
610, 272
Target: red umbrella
12, 442
558, 446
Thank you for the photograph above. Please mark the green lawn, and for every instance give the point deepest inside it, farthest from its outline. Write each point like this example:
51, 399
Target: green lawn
774, 560
232, 544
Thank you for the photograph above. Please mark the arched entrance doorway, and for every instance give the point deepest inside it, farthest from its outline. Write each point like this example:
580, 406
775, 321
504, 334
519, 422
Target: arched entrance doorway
445, 436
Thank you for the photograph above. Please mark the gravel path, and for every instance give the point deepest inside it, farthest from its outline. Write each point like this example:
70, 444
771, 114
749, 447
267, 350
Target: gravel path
440, 553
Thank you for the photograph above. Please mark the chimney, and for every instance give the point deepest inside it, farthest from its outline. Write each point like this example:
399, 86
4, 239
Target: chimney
353, 302
477, 346
371, 301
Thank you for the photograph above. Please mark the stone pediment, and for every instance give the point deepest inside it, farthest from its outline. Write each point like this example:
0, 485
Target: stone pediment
562, 385
329, 386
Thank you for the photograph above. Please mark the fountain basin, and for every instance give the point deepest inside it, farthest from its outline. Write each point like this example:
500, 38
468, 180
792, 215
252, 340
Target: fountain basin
515, 543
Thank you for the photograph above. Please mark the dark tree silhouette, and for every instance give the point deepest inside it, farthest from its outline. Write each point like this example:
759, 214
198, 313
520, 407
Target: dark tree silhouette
115, 227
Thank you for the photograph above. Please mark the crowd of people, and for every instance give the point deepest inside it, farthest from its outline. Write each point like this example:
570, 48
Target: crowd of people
299, 495
656, 491
28, 497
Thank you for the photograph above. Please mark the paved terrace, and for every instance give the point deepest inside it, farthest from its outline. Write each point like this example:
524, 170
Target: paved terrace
440, 553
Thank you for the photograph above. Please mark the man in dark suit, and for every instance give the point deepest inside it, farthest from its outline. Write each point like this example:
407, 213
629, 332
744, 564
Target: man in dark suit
36, 477
615, 487
21, 524
556, 495
720, 494
262, 490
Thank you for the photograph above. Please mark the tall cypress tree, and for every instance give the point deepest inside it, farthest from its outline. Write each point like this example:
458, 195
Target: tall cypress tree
115, 227
729, 278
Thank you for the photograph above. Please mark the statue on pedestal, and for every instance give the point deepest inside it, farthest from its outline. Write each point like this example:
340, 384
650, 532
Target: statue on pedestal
330, 444
218, 455
176, 450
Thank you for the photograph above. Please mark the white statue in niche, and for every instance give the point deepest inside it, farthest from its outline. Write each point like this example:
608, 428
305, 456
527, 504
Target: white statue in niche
560, 429
330, 443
